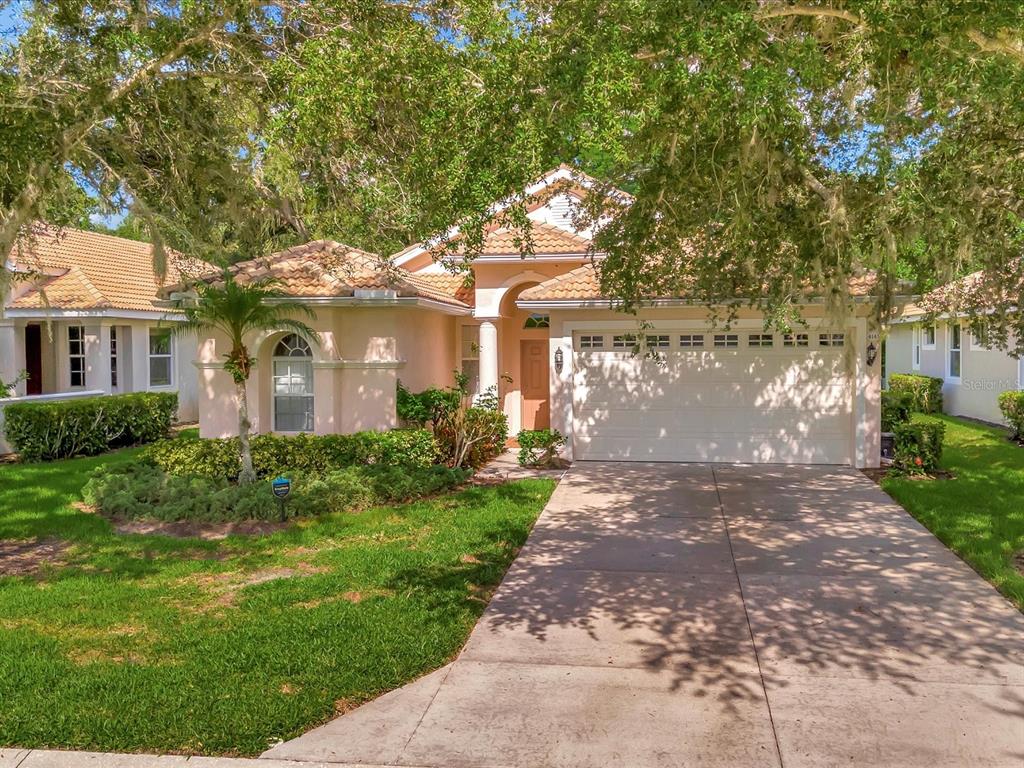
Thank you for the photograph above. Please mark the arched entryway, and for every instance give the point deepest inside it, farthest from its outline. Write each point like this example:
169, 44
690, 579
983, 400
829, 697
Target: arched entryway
524, 359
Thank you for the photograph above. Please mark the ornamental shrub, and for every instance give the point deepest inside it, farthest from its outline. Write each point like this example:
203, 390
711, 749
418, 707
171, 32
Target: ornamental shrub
926, 391
146, 491
896, 409
918, 447
426, 407
538, 447
58, 429
470, 437
273, 454
1012, 405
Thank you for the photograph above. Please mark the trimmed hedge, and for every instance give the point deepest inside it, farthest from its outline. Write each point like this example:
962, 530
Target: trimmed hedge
1012, 405
272, 454
417, 409
539, 447
896, 409
144, 491
58, 429
918, 447
925, 391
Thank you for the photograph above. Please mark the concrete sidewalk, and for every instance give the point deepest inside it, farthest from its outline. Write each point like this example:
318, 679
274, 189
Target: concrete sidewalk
668, 614
50, 758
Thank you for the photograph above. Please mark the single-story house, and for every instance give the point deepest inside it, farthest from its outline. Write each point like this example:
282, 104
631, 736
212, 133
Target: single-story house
79, 317
538, 331
942, 345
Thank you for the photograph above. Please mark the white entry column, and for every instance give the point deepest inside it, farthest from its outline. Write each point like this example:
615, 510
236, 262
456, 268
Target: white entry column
488, 354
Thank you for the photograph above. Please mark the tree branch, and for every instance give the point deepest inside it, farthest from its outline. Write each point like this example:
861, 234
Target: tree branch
1001, 44
783, 11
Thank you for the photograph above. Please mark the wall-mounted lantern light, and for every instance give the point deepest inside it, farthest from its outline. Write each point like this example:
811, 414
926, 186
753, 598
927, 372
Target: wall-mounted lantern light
559, 360
872, 354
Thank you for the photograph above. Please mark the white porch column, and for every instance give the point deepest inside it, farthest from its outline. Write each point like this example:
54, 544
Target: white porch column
488, 354
9, 354
139, 366
97, 357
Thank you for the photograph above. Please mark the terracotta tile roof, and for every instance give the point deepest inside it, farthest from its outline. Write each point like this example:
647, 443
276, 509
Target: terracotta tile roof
76, 269
583, 284
974, 292
547, 239
325, 268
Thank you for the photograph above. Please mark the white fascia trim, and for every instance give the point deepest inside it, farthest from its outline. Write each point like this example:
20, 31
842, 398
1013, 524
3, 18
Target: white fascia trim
656, 304
117, 314
357, 301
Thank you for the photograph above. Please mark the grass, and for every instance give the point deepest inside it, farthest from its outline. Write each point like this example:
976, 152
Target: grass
150, 643
980, 513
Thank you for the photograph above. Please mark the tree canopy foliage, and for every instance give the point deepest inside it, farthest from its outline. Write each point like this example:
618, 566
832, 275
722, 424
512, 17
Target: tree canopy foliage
768, 145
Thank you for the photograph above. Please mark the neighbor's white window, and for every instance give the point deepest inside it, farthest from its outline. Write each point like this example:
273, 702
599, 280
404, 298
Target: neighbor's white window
831, 339
293, 385
160, 357
76, 355
691, 340
928, 336
727, 340
470, 361
759, 340
954, 351
591, 342
916, 348
660, 341
795, 340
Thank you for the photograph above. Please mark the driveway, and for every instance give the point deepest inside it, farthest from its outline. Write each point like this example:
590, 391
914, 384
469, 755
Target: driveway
715, 615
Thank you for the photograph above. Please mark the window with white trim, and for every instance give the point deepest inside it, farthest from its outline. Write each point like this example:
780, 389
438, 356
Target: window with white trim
727, 340
691, 340
113, 356
928, 336
470, 357
293, 385
916, 348
624, 341
591, 342
76, 355
831, 339
795, 340
955, 360
659, 341
160, 357
760, 340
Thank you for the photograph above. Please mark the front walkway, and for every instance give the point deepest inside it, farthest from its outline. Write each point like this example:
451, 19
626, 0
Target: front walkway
668, 614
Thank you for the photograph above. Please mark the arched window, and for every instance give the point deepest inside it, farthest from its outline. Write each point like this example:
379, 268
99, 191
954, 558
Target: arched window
293, 385
537, 321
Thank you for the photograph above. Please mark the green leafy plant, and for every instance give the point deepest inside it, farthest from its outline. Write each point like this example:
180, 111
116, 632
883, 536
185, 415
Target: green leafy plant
57, 429
896, 409
539, 447
1012, 405
7, 387
272, 454
925, 391
918, 447
426, 407
237, 310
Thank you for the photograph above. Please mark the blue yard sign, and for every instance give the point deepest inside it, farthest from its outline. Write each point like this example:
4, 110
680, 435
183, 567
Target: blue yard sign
281, 486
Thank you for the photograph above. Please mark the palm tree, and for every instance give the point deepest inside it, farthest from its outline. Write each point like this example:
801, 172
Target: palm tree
236, 310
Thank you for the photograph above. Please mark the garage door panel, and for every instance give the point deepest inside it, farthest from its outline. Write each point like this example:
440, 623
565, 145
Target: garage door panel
714, 405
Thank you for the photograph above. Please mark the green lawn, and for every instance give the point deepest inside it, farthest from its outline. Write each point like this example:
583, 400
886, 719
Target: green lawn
980, 513
149, 643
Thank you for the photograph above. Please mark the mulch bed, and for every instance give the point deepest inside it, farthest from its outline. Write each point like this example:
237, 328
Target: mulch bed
877, 474
193, 529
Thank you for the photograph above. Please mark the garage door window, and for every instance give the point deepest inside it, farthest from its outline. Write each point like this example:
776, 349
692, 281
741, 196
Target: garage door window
794, 340
760, 340
831, 339
625, 341
727, 340
659, 342
591, 342
691, 340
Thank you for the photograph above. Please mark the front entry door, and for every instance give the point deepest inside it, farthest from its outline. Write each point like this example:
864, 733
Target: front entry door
533, 356
34, 360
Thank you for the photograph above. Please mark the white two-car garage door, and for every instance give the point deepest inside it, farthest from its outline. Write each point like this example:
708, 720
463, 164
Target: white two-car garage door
731, 397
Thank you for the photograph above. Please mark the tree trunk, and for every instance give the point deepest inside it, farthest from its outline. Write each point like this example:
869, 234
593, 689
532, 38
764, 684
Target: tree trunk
247, 475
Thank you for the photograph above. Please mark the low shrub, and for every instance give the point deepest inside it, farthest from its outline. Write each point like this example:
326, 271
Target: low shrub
145, 491
426, 407
470, 437
896, 409
538, 447
272, 454
925, 391
1012, 405
58, 429
918, 447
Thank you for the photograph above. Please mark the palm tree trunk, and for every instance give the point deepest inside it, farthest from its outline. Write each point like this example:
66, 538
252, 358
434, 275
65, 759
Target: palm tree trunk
247, 475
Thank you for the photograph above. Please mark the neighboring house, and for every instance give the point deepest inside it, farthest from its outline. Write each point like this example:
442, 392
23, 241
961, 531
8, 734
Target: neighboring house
943, 346
79, 317
539, 331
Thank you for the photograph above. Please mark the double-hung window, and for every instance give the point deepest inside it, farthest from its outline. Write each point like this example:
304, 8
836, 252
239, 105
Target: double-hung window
160, 357
76, 355
470, 360
293, 385
955, 362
